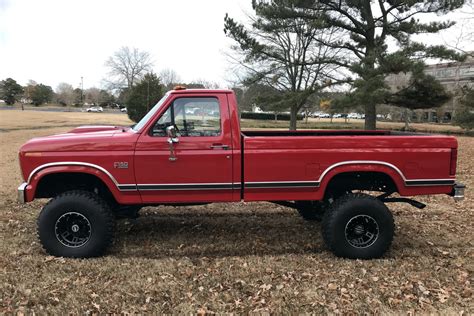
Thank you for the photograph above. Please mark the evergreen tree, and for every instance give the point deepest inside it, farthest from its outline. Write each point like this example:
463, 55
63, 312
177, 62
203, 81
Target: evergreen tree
422, 92
42, 94
465, 117
10, 91
142, 96
366, 28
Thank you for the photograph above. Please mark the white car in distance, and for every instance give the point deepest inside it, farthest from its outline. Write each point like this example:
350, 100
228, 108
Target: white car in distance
95, 109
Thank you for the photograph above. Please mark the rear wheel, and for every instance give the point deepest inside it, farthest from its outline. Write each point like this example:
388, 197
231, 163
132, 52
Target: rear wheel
358, 226
76, 224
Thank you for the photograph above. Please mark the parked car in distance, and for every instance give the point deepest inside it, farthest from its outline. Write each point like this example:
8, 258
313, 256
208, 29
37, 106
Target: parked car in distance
95, 109
356, 116
124, 110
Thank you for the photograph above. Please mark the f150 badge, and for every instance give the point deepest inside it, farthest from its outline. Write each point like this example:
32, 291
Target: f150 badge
121, 165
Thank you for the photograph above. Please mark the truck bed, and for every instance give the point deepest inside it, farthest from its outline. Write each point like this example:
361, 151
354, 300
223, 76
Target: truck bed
290, 164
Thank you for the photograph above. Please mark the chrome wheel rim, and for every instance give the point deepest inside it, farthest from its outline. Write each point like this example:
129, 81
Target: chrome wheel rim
361, 231
73, 229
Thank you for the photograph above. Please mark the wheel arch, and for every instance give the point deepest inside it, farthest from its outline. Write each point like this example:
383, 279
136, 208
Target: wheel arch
70, 175
364, 174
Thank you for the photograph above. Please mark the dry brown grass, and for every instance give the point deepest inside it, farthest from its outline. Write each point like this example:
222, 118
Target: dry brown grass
231, 257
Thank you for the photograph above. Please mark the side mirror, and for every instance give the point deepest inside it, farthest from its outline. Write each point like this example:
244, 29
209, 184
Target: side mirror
172, 139
172, 134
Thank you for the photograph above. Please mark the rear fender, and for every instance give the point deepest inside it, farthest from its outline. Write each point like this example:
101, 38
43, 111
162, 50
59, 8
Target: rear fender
366, 166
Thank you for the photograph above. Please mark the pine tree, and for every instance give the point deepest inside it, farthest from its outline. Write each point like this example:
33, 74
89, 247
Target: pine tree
10, 91
142, 96
367, 27
465, 117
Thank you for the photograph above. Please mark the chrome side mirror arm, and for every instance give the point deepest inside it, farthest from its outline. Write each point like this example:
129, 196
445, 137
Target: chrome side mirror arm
172, 139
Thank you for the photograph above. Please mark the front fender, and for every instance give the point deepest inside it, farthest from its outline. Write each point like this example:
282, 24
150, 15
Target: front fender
123, 193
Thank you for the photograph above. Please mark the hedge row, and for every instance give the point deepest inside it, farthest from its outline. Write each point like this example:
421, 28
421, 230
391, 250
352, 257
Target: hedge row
268, 116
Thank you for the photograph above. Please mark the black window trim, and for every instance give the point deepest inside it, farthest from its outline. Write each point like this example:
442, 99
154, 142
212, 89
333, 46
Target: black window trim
150, 131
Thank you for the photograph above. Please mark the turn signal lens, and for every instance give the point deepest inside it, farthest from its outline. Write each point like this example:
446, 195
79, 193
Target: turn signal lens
454, 158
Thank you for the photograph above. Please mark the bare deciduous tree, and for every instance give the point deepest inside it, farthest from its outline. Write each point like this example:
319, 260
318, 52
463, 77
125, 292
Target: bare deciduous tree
286, 55
92, 96
169, 77
65, 93
127, 65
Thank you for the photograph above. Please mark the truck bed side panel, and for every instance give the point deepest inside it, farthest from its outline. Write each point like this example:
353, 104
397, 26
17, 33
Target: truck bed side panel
299, 168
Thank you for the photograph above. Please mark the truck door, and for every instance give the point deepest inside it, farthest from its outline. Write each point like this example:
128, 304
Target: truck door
198, 166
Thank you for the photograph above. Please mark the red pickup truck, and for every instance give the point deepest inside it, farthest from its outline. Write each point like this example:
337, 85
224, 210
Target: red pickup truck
189, 149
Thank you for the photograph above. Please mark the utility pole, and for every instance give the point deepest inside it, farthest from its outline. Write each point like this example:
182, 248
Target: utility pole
82, 90
148, 96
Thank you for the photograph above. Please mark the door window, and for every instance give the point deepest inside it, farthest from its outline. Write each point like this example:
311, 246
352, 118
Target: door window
193, 117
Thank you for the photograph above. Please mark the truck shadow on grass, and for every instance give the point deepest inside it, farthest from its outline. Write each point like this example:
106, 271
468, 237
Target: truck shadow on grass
207, 234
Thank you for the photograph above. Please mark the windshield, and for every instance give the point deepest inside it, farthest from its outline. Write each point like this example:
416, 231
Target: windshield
152, 112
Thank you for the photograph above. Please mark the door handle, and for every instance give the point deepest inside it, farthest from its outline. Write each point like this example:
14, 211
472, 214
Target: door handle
219, 146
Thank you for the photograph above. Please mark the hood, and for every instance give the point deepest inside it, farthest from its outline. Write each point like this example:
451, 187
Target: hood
96, 128
85, 138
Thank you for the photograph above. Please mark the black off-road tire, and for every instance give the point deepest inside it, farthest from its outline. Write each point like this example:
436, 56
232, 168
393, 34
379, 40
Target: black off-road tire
77, 224
358, 226
311, 210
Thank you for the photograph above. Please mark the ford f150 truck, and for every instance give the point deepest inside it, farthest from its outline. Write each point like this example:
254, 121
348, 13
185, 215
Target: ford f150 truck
189, 149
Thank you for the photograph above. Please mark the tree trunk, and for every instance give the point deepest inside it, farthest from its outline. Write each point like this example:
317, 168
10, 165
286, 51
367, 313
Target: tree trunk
370, 116
293, 117
407, 120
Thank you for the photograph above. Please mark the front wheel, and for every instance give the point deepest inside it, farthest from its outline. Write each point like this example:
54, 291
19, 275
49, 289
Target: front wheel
76, 224
358, 226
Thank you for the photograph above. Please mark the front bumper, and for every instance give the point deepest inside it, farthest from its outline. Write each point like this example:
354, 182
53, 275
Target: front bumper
458, 191
22, 192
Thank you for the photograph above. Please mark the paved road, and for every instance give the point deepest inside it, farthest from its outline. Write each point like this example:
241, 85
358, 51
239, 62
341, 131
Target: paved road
56, 109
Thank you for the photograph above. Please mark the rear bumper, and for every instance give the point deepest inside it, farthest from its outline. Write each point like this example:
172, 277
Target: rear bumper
458, 191
21, 192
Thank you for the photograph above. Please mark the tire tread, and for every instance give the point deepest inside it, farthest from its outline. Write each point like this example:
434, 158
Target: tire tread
103, 208
332, 213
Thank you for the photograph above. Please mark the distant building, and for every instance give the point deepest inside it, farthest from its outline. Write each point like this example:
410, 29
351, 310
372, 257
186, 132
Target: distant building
452, 76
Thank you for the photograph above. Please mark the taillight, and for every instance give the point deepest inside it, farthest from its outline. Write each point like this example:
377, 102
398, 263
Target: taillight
454, 158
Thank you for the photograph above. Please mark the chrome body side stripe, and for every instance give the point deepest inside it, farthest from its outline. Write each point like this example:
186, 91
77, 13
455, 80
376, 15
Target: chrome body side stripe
187, 186
412, 183
249, 185
281, 184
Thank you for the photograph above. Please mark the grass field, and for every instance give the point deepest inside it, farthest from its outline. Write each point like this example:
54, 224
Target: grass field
231, 257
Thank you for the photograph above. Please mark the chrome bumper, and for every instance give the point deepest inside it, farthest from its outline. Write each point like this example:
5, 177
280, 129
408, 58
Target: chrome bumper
21, 192
458, 191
